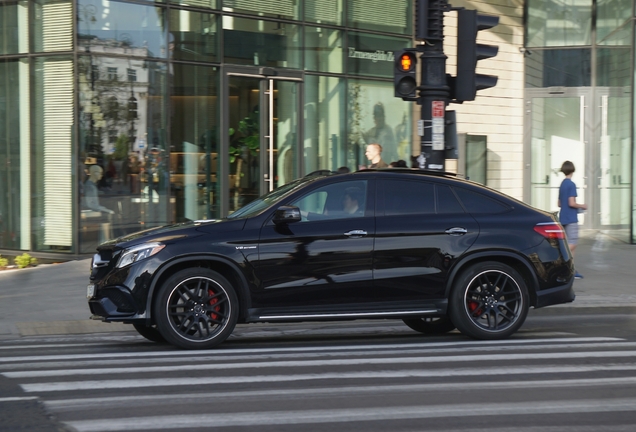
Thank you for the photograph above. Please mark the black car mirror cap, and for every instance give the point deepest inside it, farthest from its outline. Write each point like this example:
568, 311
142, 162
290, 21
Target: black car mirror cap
286, 214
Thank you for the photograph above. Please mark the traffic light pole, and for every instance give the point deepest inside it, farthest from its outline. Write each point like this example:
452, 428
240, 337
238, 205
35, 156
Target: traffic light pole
434, 96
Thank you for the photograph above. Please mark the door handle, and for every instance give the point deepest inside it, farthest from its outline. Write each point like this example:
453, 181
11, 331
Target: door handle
356, 233
456, 231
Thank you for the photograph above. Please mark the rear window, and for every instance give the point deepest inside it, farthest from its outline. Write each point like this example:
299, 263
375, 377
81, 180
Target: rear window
478, 203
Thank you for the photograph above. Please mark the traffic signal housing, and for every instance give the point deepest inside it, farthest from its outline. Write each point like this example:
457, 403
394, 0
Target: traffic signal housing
469, 52
405, 74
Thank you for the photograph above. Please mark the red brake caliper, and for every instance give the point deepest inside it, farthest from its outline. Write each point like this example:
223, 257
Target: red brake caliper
213, 302
472, 305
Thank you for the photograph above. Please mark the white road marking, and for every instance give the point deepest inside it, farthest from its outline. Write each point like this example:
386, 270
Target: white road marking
373, 375
220, 420
322, 362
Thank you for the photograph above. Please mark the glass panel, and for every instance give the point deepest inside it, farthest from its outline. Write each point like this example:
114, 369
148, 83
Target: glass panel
269, 8
245, 140
14, 27
613, 67
377, 117
52, 25
194, 140
377, 15
556, 137
261, 43
123, 162
15, 156
325, 143
615, 149
559, 68
323, 50
476, 158
621, 36
105, 26
558, 23
211, 4
610, 15
324, 11
53, 142
285, 132
193, 36
372, 55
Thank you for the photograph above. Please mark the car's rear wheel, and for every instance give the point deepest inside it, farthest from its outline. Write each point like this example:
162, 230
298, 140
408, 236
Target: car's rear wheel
489, 301
430, 325
196, 308
150, 333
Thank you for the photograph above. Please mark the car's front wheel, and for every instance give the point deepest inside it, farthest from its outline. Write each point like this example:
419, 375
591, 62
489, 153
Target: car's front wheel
489, 301
196, 308
430, 325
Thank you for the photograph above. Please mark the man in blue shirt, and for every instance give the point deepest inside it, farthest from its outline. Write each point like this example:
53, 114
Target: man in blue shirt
569, 214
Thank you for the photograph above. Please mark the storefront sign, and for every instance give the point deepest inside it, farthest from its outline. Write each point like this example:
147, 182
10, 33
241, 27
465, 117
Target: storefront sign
374, 56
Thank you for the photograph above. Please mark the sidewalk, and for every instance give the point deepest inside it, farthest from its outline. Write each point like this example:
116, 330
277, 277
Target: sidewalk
51, 299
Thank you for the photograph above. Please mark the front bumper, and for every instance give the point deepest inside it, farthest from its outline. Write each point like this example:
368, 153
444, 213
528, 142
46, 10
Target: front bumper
113, 303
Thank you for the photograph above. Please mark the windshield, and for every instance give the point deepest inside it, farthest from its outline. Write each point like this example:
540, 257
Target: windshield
260, 204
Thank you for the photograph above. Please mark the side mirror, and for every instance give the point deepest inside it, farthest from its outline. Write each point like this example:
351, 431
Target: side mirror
286, 214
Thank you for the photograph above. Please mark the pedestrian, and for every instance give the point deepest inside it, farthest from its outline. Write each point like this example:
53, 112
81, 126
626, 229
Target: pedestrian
569, 214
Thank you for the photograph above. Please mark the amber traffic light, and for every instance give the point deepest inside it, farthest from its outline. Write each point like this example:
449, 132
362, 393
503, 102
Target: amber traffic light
405, 81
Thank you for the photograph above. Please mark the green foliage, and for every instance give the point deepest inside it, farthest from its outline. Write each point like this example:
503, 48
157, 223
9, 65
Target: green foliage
25, 260
121, 147
250, 141
3, 262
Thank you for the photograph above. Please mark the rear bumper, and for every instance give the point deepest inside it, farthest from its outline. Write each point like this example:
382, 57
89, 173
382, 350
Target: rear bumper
557, 295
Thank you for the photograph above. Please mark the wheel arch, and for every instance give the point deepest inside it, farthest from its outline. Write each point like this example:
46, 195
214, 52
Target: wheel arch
521, 265
220, 265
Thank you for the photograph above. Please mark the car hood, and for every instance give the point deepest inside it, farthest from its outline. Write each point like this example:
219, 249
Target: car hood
173, 232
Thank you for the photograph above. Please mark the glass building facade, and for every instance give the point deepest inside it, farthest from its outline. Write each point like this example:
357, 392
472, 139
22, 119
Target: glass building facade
116, 116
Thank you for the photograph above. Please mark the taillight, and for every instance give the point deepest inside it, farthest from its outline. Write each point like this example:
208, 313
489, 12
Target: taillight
550, 230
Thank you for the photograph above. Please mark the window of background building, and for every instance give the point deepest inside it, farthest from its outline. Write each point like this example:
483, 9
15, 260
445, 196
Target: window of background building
558, 23
131, 190
52, 25
326, 144
376, 116
261, 43
559, 68
193, 36
286, 9
378, 15
53, 121
15, 170
14, 28
324, 11
610, 15
211, 4
323, 50
122, 28
194, 152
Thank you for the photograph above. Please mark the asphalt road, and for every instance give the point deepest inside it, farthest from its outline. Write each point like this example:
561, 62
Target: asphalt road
573, 370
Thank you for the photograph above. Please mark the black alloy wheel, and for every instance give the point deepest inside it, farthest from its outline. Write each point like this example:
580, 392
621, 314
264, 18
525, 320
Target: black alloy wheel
196, 308
430, 325
150, 333
489, 301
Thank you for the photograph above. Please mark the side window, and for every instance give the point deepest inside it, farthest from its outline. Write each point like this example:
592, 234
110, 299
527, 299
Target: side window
447, 201
477, 203
335, 201
408, 197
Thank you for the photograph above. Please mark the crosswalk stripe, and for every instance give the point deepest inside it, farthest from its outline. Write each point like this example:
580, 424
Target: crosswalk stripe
374, 375
60, 405
322, 362
220, 420
223, 351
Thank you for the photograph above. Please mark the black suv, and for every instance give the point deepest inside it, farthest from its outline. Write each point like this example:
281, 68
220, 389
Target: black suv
430, 249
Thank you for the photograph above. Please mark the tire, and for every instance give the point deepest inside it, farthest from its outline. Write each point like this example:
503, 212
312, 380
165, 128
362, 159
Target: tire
489, 301
430, 325
150, 333
196, 308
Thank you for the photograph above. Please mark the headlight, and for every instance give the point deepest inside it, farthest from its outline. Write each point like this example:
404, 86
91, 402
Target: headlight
137, 253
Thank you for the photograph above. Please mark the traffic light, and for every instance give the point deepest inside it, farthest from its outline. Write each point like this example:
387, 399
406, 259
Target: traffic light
132, 108
469, 52
405, 79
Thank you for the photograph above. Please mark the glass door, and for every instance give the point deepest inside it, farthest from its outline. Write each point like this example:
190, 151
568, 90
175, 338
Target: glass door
261, 138
557, 130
